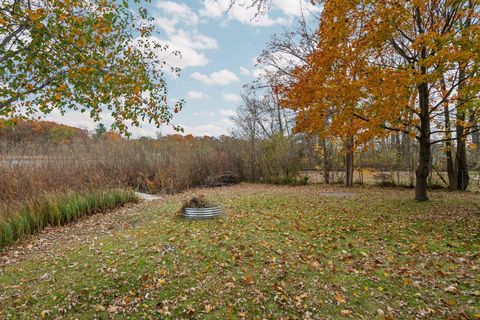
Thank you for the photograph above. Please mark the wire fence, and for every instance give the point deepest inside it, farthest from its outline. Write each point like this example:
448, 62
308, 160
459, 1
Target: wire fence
393, 178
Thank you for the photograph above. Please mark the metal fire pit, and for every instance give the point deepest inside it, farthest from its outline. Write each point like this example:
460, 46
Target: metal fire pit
202, 213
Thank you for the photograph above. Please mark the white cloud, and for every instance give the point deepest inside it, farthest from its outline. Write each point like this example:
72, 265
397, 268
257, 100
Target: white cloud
204, 113
228, 123
79, 120
238, 12
193, 39
208, 130
231, 97
221, 78
196, 95
179, 23
294, 8
227, 112
283, 10
245, 71
188, 56
178, 12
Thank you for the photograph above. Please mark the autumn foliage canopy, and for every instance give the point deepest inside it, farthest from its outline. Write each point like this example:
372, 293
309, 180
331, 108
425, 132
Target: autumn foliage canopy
391, 66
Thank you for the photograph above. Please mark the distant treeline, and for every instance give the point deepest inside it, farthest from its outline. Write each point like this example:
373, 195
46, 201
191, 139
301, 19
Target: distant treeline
28, 131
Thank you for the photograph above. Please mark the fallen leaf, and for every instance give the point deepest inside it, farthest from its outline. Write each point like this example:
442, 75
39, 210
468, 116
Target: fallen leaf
451, 289
346, 313
207, 308
249, 279
340, 298
99, 308
112, 309
44, 313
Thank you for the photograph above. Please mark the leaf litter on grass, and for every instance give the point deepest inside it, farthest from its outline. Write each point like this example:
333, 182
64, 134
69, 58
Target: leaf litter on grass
279, 252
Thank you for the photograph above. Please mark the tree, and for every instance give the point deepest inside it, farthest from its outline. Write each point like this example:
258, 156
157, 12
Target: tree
100, 130
377, 69
91, 56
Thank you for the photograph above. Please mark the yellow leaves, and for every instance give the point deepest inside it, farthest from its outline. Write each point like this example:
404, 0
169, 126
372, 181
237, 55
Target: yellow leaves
137, 89
160, 282
36, 15
162, 271
102, 27
3, 22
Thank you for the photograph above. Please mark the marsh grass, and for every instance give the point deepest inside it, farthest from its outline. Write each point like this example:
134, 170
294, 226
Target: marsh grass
53, 209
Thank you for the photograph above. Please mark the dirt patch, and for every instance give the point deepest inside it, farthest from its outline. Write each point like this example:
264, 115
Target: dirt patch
147, 197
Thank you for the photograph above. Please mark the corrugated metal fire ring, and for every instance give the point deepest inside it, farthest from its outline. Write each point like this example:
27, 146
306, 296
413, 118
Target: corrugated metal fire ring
202, 213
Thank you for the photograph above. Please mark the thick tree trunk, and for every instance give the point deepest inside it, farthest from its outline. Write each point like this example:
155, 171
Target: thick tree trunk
349, 162
461, 167
422, 171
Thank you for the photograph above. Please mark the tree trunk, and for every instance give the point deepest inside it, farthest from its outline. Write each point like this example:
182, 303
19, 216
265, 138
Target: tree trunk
398, 157
424, 140
349, 162
461, 169
476, 141
448, 143
253, 160
326, 162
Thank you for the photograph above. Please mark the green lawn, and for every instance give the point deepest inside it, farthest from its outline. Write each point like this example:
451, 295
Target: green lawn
278, 253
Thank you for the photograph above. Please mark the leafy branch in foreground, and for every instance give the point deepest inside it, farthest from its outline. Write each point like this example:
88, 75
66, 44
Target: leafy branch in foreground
92, 56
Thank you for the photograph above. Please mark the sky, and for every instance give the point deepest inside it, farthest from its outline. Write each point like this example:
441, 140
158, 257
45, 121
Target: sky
218, 56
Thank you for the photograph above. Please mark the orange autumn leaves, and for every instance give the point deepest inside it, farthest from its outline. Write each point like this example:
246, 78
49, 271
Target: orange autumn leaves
358, 83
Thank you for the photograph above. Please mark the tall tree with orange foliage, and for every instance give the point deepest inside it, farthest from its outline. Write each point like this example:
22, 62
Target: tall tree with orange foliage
378, 68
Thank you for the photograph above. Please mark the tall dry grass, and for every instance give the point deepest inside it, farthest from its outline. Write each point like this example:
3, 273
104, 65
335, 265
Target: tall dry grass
44, 178
151, 166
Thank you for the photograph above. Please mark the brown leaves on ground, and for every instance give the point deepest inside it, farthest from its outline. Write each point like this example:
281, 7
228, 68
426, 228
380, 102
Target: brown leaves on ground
290, 252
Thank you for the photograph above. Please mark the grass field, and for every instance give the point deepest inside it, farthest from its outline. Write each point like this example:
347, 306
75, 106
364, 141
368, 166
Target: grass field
308, 252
